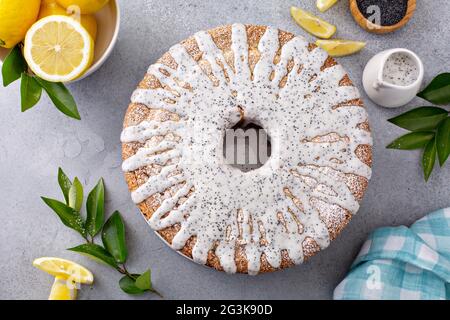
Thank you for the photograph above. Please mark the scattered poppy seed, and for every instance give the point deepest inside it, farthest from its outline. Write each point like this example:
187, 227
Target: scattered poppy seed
391, 12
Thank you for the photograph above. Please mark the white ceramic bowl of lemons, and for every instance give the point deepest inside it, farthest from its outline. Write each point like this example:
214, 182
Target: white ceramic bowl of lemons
108, 24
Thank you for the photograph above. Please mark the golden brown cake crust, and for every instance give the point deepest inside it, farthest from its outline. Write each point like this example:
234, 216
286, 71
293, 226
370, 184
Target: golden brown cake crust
137, 113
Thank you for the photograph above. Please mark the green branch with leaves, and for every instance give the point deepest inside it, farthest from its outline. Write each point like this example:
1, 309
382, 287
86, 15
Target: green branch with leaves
113, 251
15, 67
429, 126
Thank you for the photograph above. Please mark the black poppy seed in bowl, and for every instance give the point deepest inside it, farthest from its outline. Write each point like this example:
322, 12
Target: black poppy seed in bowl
391, 11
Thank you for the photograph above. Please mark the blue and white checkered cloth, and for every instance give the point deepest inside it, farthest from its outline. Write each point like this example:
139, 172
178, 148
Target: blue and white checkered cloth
403, 263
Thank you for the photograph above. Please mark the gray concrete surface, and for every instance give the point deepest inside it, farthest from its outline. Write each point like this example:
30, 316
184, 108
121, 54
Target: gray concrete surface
34, 144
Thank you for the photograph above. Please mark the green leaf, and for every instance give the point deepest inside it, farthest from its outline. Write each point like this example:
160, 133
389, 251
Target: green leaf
76, 195
95, 209
113, 237
411, 141
438, 91
69, 217
13, 66
61, 97
96, 253
429, 158
144, 281
443, 141
64, 183
30, 92
420, 119
128, 285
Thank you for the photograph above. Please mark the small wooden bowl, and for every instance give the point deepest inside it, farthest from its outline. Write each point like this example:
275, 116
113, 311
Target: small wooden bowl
371, 27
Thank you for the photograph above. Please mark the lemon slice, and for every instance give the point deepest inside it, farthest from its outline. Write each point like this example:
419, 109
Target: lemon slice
312, 24
61, 291
58, 49
340, 48
64, 269
324, 5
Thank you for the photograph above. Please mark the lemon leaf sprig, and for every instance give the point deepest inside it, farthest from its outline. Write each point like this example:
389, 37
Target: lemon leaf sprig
30, 91
429, 126
15, 68
113, 250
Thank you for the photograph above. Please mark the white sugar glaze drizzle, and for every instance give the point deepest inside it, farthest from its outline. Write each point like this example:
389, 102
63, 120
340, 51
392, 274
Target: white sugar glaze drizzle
227, 207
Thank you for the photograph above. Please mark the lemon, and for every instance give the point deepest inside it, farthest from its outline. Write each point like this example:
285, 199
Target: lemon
64, 269
85, 6
51, 7
324, 5
312, 24
58, 49
15, 19
61, 291
340, 48
89, 22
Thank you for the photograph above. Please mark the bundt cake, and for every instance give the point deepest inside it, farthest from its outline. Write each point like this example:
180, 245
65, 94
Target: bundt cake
265, 219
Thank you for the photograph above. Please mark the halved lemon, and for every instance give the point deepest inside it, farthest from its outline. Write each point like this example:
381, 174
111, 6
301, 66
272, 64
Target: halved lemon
314, 25
58, 49
61, 291
64, 269
324, 5
340, 48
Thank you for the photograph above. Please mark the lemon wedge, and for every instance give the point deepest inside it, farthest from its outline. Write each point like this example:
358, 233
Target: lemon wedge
340, 48
312, 24
58, 48
64, 269
324, 5
62, 291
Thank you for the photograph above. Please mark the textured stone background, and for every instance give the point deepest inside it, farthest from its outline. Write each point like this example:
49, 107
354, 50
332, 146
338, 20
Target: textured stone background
34, 144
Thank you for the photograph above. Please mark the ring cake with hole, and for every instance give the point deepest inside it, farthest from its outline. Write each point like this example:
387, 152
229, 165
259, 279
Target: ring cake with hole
279, 214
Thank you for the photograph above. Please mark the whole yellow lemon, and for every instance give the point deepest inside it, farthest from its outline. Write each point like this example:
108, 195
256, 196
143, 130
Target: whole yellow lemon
51, 7
89, 22
16, 18
86, 6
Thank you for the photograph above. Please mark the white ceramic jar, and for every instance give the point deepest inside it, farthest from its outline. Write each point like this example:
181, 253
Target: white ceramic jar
389, 93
